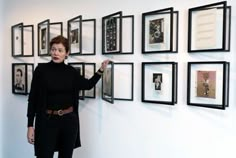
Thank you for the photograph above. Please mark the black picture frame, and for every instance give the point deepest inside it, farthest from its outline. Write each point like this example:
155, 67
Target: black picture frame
88, 37
160, 31
74, 34
159, 82
46, 32
112, 33
44, 38
209, 28
123, 81
108, 83
22, 74
208, 84
22, 40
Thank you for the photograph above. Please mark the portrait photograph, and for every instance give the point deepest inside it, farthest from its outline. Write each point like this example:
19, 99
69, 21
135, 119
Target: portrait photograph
157, 80
206, 84
156, 31
19, 79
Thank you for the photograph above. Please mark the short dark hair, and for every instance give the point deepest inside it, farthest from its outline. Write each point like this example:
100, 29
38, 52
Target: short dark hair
19, 70
60, 39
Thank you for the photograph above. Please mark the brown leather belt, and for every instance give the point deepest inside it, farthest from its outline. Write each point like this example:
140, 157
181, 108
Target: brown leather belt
60, 112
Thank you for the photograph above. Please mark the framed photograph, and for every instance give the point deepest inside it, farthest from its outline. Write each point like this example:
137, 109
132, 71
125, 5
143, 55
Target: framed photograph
208, 84
74, 35
17, 37
22, 74
108, 83
43, 38
80, 69
209, 28
88, 37
22, 40
112, 33
160, 31
159, 82
123, 81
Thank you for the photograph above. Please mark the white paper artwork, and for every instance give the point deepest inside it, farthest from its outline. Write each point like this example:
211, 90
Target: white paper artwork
205, 35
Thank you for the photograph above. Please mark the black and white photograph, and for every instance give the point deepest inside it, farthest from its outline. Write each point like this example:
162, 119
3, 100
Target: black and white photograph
74, 33
156, 28
21, 77
108, 83
160, 31
43, 38
112, 33
159, 82
17, 40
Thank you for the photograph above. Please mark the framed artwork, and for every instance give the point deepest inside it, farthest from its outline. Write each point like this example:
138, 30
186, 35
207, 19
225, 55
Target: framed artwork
123, 81
74, 35
22, 40
112, 33
108, 83
159, 82
22, 74
209, 28
43, 38
160, 31
80, 69
88, 37
208, 84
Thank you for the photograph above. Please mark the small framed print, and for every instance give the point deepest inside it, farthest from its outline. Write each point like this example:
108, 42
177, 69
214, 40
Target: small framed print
112, 33
123, 81
208, 84
22, 74
159, 82
43, 38
80, 69
160, 31
74, 35
88, 37
22, 40
209, 28
108, 83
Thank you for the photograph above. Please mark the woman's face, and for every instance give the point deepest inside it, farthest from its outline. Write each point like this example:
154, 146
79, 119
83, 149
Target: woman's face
58, 53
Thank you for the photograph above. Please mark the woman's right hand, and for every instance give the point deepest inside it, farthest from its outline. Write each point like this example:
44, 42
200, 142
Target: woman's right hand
30, 135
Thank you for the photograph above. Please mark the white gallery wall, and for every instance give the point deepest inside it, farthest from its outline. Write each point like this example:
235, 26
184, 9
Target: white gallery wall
125, 129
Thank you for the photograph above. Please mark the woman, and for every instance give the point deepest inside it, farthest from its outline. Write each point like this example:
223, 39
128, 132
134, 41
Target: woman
53, 102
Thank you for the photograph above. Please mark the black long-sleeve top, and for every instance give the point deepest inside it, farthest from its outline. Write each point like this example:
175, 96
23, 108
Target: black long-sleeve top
56, 86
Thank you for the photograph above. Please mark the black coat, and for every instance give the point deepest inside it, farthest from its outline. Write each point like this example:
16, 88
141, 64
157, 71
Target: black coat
37, 101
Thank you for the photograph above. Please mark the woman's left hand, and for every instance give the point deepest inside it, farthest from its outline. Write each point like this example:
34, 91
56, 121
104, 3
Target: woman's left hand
104, 64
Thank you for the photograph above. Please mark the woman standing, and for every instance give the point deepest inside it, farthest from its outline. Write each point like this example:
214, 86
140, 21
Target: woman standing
53, 103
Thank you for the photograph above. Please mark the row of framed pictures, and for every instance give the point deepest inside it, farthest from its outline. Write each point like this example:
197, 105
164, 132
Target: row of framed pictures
207, 82
208, 31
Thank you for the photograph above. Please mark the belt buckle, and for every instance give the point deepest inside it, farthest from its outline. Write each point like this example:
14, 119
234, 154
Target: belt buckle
60, 112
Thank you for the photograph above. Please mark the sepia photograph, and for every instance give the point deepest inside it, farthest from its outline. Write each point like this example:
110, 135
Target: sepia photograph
156, 31
206, 84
